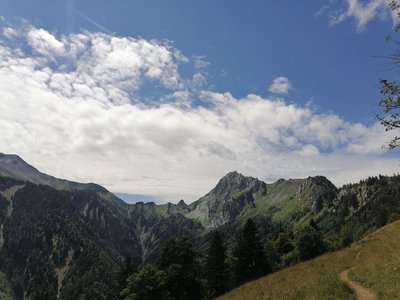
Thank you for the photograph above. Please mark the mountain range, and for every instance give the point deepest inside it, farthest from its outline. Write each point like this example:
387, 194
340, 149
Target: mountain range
65, 240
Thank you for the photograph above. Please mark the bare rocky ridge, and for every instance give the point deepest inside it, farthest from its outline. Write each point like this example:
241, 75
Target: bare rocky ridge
224, 202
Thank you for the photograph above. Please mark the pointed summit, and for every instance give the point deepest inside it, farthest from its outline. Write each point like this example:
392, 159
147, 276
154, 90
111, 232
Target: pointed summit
233, 182
227, 199
182, 203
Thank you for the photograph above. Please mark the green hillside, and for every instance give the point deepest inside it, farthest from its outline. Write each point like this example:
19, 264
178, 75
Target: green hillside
57, 241
374, 262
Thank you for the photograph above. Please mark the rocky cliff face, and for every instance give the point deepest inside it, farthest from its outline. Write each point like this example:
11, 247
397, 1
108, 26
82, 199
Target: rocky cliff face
224, 202
318, 191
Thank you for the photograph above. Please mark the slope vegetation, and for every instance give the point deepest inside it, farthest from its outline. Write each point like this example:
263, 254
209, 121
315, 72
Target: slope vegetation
373, 263
57, 237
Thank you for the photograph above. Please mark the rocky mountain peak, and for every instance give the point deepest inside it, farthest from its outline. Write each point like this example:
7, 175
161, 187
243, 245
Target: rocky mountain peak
227, 199
318, 191
234, 181
182, 203
321, 181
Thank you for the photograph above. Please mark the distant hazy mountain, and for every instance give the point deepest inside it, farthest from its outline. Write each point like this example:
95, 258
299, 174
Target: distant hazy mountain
13, 166
62, 239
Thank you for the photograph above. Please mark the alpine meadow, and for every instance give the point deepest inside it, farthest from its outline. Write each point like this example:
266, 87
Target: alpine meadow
194, 150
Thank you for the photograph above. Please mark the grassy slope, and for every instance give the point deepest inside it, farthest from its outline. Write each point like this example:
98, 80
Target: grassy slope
281, 203
277, 196
376, 262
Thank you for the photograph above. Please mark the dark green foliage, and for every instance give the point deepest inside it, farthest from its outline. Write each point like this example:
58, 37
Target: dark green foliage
274, 259
177, 251
6, 291
6, 182
390, 91
147, 284
178, 260
361, 209
346, 236
44, 226
283, 252
251, 260
309, 242
176, 275
126, 270
216, 268
169, 227
283, 244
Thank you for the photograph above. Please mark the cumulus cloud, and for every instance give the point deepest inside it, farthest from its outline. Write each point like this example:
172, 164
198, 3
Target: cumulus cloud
44, 42
72, 105
362, 12
280, 85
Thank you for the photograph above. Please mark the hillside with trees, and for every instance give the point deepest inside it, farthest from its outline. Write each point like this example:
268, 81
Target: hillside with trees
86, 244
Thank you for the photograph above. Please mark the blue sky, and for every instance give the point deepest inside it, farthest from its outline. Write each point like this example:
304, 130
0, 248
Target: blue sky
224, 56
246, 44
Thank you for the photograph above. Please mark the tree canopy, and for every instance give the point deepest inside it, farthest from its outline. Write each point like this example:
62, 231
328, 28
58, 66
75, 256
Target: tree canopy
251, 260
216, 268
390, 90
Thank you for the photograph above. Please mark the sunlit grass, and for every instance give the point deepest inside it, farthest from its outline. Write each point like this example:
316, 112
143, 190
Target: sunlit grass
376, 262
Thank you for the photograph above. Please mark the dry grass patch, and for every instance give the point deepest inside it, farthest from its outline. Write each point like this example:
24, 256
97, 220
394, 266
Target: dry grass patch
376, 262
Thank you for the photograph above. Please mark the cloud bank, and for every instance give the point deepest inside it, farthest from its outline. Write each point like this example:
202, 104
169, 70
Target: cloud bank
77, 107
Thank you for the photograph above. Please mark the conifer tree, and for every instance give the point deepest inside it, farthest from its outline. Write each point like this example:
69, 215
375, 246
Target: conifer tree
178, 261
251, 260
126, 270
216, 269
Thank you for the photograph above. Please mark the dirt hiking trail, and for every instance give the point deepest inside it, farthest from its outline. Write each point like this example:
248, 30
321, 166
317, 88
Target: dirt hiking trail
362, 293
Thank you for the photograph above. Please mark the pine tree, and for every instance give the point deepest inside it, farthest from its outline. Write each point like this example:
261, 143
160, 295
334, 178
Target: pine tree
251, 260
126, 270
216, 269
178, 261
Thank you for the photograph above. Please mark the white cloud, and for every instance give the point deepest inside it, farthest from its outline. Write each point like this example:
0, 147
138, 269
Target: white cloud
362, 12
44, 42
75, 111
280, 85
200, 62
10, 32
308, 151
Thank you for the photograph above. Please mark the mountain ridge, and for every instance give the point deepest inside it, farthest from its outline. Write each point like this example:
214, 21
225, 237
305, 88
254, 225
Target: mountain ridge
12, 165
89, 226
